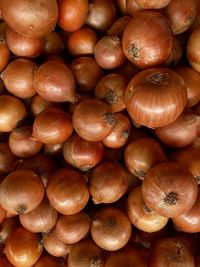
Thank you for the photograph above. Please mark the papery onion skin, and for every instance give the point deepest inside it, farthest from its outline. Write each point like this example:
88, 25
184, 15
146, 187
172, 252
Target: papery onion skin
169, 189
7, 159
7, 227
4, 53
21, 191
156, 97
111, 228
192, 50
155, 4
132, 7
31, 18
23, 248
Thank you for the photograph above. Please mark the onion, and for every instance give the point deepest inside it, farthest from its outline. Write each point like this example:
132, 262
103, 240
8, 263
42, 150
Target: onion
4, 262
141, 215
53, 44
86, 72
82, 42
53, 149
193, 54
170, 252
4, 53
81, 153
54, 82
31, 18
155, 4
181, 132
52, 126
54, 246
67, 191
142, 154
7, 227
139, 39
7, 159
169, 189
21, 191
47, 260
72, 14
121, 6
111, 88
23, 46
108, 182
156, 97
118, 26
132, 7
2, 214
176, 54
23, 248
111, 229
71, 229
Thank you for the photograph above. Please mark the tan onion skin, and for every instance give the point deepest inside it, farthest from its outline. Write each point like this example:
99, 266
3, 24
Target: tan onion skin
6, 228
85, 254
23, 248
72, 228
156, 97
47, 260
111, 229
53, 44
42, 219
21, 191
141, 216
132, 7
169, 189
152, 4
193, 53
67, 191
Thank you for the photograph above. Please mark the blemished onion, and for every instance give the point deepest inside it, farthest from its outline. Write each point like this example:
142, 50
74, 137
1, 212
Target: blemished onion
53, 44
85, 254
20, 143
93, 120
42, 219
52, 126
2, 214
7, 159
82, 42
111, 228
108, 52
181, 132
139, 39
120, 133
132, 7
188, 157
55, 246
129, 256
54, 81
81, 153
169, 189
4, 53
108, 182
142, 154
53, 149
141, 215
31, 18
23, 248
67, 191
155, 4
72, 14
87, 73
193, 54
47, 260
21, 191
111, 89
170, 252
7, 227
23, 46
118, 26
72, 228
102, 14
176, 54
156, 97
181, 14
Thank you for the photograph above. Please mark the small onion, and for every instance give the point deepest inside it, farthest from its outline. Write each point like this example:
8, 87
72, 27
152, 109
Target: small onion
47, 260
53, 44
121, 6
118, 26
7, 159
176, 54
193, 53
7, 227
4, 53
53, 149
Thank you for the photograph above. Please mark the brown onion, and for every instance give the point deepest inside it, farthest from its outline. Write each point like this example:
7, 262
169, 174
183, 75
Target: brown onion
47, 260
7, 227
176, 54
4, 262
142, 154
170, 252
53, 149
85, 254
141, 215
152, 4
108, 182
169, 189
118, 26
21, 191
81, 153
54, 82
53, 44
181, 132
132, 7
52, 126
30, 18
3, 27
111, 88
71, 229
86, 72
67, 191
111, 228
2, 214
139, 38
93, 120
23, 248
155, 97
193, 53
23, 46
7, 159
121, 6
102, 14
4, 53
82, 42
